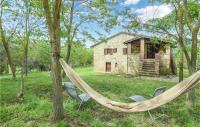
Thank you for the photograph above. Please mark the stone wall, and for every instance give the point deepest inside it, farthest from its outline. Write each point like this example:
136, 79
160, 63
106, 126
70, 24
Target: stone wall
133, 59
165, 60
116, 58
133, 63
130, 62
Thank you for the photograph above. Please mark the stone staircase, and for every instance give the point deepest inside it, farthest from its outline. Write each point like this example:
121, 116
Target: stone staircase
149, 67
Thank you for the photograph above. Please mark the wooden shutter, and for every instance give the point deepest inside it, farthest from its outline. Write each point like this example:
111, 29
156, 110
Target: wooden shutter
124, 51
111, 51
105, 51
114, 50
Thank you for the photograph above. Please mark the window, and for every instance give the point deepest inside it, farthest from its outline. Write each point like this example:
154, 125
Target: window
135, 48
124, 51
108, 51
116, 65
115, 50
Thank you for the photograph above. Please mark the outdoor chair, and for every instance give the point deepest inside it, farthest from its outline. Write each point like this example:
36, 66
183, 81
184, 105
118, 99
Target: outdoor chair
71, 90
139, 98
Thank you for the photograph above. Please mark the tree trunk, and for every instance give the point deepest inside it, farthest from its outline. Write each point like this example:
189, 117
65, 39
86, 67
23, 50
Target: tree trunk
57, 89
6, 46
26, 55
181, 42
69, 36
194, 51
173, 63
181, 60
53, 23
27, 35
67, 58
26, 62
21, 90
7, 68
190, 97
194, 29
68, 52
191, 93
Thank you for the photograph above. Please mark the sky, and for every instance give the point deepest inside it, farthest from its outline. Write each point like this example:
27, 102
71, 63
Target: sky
144, 9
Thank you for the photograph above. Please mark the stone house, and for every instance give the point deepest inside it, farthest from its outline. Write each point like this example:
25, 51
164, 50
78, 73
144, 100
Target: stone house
132, 54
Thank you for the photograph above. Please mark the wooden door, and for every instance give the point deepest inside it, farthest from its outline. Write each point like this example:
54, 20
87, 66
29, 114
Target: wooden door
150, 51
108, 66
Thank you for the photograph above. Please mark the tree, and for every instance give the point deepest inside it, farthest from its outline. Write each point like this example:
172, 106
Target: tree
3, 61
39, 58
184, 20
80, 55
24, 66
180, 32
53, 23
73, 19
6, 41
193, 23
181, 61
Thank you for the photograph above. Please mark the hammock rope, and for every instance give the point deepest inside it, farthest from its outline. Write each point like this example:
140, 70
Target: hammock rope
152, 103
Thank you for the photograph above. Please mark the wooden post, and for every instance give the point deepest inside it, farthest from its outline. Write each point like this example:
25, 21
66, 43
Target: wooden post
142, 49
157, 63
168, 50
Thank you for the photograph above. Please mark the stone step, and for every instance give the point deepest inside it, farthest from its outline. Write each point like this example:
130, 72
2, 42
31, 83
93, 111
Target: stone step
142, 72
148, 70
148, 60
148, 74
148, 65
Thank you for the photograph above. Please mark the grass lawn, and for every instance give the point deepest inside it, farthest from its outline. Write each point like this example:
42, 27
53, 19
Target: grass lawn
35, 110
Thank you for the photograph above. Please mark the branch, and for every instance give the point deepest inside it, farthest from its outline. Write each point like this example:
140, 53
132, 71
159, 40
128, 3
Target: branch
188, 21
175, 23
56, 13
161, 30
86, 1
48, 15
12, 34
34, 25
77, 26
1, 2
180, 31
75, 29
197, 26
71, 20
1, 8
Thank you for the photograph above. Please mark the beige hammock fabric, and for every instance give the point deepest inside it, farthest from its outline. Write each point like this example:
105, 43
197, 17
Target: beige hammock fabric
155, 102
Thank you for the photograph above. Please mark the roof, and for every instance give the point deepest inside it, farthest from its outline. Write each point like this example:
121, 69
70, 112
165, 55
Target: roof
145, 37
137, 38
133, 34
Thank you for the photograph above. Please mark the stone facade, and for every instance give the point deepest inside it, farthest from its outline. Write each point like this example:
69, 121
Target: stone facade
140, 54
118, 60
133, 60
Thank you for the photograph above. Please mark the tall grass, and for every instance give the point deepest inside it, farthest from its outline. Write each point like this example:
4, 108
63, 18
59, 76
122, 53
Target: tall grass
36, 107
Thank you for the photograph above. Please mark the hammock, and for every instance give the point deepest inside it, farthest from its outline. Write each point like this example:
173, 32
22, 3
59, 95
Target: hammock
155, 102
